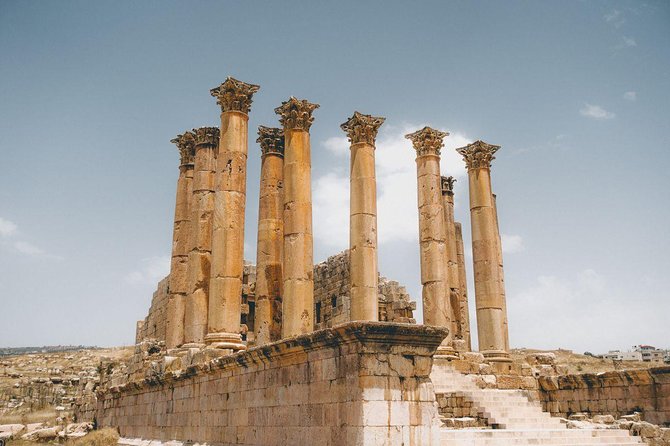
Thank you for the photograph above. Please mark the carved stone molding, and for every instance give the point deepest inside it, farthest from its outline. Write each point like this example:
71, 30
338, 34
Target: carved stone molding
206, 136
234, 95
271, 140
362, 128
478, 155
447, 184
427, 141
296, 114
186, 145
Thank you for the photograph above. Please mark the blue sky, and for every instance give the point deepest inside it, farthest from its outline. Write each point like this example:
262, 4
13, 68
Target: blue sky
576, 93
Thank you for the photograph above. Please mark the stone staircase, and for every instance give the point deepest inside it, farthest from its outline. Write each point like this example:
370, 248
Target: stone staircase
512, 418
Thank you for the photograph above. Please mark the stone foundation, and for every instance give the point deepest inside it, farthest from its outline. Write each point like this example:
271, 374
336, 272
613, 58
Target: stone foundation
611, 393
355, 384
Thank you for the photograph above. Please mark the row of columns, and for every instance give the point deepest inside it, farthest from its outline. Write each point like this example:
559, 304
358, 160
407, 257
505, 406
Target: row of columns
204, 303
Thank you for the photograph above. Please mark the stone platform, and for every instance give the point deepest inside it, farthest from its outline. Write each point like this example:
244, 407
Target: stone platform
354, 384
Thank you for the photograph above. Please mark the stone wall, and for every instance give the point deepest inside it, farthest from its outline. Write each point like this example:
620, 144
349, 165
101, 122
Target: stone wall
153, 326
613, 393
355, 384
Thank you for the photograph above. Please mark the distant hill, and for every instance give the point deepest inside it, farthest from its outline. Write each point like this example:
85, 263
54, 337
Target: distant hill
10, 351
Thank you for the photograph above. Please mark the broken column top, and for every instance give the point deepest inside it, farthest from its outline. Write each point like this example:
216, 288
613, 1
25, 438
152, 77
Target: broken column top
296, 114
271, 140
447, 184
362, 128
234, 95
206, 136
186, 145
478, 154
427, 141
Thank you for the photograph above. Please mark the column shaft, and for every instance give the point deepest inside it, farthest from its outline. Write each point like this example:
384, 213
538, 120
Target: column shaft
463, 307
501, 273
452, 256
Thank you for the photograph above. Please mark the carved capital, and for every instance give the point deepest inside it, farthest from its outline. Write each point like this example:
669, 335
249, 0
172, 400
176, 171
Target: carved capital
186, 145
427, 141
447, 184
206, 136
296, 114
271, 140
362, 128
478, 155
234, 95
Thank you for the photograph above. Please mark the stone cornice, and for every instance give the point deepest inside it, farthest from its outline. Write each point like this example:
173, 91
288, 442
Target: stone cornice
362, 128
296, 114
206, 136
447, 184
427, 141
271, 140
234, 95
186, 145
478, 155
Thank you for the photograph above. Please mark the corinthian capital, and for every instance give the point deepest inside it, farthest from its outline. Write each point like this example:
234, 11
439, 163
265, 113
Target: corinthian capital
447, 184
206, 136
234, 95
271, 140
362, 128
186, 145
427, 141
296, 114
478, 155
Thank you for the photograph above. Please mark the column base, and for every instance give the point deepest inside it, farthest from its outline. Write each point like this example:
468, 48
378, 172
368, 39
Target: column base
496, 356
191, 345
227, 341
446, 351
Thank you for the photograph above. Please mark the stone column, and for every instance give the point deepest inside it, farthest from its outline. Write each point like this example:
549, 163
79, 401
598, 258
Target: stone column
202, 210
501, 274
269, 282
463, 286
490, 307
362, 130
298, 301
447, 186
178, 282
437, 310
225, 296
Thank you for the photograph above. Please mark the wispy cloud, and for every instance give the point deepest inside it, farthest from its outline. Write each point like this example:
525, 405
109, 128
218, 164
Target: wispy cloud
630, 96
512, 243
596, 112
7, 228
615, 18
150, 271
626, 42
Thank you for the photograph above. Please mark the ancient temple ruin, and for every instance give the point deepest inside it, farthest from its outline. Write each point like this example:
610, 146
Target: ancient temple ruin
278, 350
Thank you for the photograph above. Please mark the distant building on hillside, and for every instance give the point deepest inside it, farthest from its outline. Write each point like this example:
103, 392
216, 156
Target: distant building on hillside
618, 355
651, 353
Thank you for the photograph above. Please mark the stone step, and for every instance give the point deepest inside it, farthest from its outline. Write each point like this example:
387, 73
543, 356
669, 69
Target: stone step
572, 437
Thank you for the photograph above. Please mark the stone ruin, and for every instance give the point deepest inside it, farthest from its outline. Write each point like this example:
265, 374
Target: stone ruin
288, 352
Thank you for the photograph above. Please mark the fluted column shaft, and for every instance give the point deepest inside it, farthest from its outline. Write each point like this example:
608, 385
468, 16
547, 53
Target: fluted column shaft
501, 273
432, 232
225, 297
199, 259
298, 254
362, 130
452, 256
463, 307
269, 279
490, 307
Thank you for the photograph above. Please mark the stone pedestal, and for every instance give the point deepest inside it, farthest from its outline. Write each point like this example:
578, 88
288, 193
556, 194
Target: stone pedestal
362, 131
298, 265
174, 331
463, 286
269, 282
225, 295
199, 258
437, 309
490, 307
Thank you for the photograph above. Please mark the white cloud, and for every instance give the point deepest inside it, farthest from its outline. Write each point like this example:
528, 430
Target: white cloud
596, 112
7, 228
512, 243
151, 270
33, 251
630, 96
396, 187
626, 42
615, 18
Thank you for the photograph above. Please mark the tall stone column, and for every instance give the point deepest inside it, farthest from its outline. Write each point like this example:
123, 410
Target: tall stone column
501, 273
490, 307
225, 296
447, 186
362, 130
269, 282
298, 302
178, 282
463, 285
437, 309
199, 258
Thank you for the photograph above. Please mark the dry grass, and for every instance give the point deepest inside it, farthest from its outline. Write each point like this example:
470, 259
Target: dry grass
37, 416
102, 437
